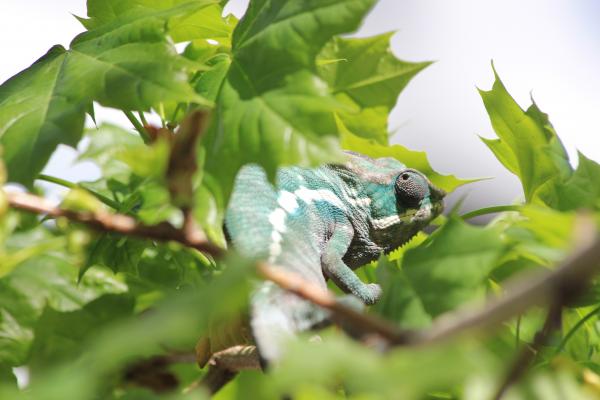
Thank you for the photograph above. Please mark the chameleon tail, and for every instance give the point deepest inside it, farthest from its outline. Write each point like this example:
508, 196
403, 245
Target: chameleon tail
276, 317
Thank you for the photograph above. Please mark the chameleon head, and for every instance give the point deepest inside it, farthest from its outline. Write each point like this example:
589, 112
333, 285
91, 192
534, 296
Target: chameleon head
418, 200
415, 202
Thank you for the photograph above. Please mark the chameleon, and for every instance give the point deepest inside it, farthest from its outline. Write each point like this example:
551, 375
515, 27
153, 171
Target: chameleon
322, 223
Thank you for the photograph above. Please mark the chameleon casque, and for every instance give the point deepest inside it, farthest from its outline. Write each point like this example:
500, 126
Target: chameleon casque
322, 223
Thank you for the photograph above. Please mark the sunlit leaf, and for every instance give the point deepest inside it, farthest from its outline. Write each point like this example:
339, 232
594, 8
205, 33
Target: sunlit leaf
364, 74
272, 109
128, 64
527, 146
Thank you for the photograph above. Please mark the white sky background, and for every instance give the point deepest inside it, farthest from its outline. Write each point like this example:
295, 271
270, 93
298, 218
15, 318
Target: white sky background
548, 47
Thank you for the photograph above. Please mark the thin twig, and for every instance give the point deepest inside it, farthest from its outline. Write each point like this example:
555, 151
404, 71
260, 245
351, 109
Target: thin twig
63, 182
138, 126
365, 323
528, 353
107, 222
574, 329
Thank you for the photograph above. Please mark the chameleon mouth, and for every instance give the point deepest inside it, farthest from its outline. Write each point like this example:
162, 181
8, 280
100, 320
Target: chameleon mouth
425, 213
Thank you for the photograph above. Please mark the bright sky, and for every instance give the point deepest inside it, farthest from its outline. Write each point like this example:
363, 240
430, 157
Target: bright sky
547, 47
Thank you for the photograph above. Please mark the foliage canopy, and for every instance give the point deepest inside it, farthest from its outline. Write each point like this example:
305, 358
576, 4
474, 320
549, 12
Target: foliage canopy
284, 85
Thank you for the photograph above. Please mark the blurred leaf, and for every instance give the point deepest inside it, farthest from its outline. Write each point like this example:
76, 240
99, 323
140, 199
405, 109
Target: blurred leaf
399, 374
7, 378
399, 303
39, 282
133, 173
59, 336
364, 74
582, 189
147, 161
83, 201
454, 261
116, 252
209, 83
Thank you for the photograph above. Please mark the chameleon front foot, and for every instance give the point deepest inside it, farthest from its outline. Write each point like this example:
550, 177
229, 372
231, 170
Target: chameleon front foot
369, 293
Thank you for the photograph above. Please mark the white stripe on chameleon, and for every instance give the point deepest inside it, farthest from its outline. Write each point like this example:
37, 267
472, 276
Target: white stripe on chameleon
353, 198
386, 222
277, 219
360, 202
310, 195
275, 246
287, 201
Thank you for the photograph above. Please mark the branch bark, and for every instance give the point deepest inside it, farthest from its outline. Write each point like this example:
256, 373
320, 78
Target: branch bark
117, 223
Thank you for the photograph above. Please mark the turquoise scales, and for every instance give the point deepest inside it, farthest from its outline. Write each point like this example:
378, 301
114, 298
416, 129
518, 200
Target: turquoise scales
322, 223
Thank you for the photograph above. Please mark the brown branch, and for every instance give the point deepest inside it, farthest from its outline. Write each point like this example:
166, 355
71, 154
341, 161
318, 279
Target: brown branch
528, 353
107, 222
225, 365
364, 324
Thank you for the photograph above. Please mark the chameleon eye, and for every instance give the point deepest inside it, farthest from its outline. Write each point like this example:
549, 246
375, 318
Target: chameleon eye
410, 189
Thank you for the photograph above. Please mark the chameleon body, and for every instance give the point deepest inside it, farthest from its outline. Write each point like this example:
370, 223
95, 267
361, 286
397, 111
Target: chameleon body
322, 223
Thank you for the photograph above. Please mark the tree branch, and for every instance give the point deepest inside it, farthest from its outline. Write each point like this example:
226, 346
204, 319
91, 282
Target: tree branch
107, 222
224, 365
529, 352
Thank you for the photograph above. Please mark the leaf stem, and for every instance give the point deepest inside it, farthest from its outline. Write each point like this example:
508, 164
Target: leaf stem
574, 329
489, 210
518, 333
58, 181
179, 107
62, 182
138, 126
143, 118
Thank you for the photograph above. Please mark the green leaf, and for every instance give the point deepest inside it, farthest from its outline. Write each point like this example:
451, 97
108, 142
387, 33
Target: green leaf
364, 74
527, 146
209, 83
410, 158
452, 265
277, 111
36, 283
128, 63
134, 172
399, 302
60, 335
115, 252
289, 35
582, 189
7, 377
289, 125
400, 374
203, 20
37, 112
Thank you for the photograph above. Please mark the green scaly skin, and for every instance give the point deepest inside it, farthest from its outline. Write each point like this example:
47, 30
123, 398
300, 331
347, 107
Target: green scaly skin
322, 223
